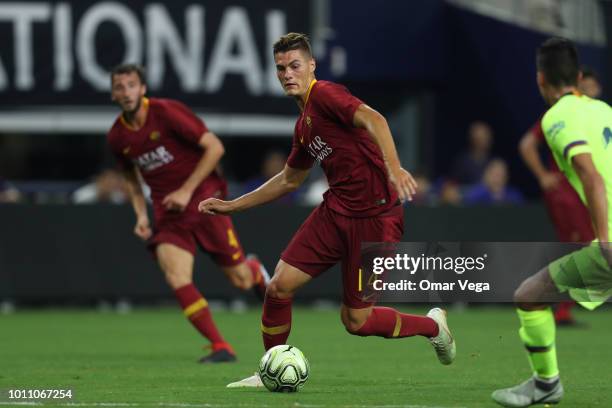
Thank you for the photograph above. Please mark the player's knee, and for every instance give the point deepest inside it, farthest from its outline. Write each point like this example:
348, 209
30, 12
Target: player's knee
240, 283
278, 290
518, 295
177, 278
243, 284
352, 327
239, 279
353, 322
522, 298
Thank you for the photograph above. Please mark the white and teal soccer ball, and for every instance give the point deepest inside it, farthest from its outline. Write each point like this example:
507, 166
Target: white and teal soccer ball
284, 369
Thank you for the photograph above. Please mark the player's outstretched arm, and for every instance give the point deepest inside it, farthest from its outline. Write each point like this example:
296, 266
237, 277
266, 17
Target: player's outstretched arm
213, 151
376, 125
595, 193
143, 227
284, 182
597, 201
528, 148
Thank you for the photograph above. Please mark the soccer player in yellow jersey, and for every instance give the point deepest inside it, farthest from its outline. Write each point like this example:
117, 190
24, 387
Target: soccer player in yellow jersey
578, 130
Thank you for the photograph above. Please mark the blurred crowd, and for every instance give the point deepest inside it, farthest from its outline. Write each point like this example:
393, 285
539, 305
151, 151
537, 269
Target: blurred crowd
476, 176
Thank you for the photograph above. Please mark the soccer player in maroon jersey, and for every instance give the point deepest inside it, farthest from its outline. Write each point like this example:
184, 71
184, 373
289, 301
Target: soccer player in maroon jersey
569, 216
164, 143
353, 144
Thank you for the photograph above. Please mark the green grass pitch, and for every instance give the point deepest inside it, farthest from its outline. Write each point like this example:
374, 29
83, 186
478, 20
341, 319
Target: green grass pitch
147, 358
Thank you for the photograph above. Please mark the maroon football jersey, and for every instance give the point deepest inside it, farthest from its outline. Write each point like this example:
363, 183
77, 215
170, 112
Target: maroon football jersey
166, 150
353, 163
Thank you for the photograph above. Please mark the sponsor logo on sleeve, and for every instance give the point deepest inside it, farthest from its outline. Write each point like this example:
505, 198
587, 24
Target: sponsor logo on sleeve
554, 130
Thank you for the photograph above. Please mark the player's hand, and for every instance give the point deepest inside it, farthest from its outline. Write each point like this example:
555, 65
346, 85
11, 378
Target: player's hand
143, 228
213, 206
404, 183
549, 181
177, 200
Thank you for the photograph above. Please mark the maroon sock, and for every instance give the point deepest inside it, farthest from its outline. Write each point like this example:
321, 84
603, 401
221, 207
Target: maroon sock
389, 323
196, 309
275, 321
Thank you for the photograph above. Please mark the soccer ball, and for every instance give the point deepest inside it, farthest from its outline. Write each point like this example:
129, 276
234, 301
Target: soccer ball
284, 369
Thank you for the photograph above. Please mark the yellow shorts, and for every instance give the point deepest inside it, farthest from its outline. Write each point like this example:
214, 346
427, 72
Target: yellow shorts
585, 274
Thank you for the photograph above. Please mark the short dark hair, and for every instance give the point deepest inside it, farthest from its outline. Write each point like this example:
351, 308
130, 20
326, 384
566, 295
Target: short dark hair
128, 69
557, 59
588, 72
293, 41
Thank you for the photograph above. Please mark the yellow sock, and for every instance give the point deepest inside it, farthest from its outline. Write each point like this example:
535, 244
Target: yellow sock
538, 334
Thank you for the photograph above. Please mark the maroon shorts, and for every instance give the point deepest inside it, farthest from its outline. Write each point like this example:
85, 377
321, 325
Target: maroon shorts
327, 237
214, 234
569, 215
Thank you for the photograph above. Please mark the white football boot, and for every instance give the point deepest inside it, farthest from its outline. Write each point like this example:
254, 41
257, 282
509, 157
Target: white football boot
250, 382
531, 392
443, 343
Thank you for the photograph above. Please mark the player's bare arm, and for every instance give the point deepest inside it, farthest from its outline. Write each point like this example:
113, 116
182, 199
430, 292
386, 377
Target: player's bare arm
595, 192
597, 202
376, 125
142, 229
283, 183
528, 148
213, 151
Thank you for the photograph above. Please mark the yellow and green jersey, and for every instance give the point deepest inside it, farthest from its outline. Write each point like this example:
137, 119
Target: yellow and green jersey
578, 124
